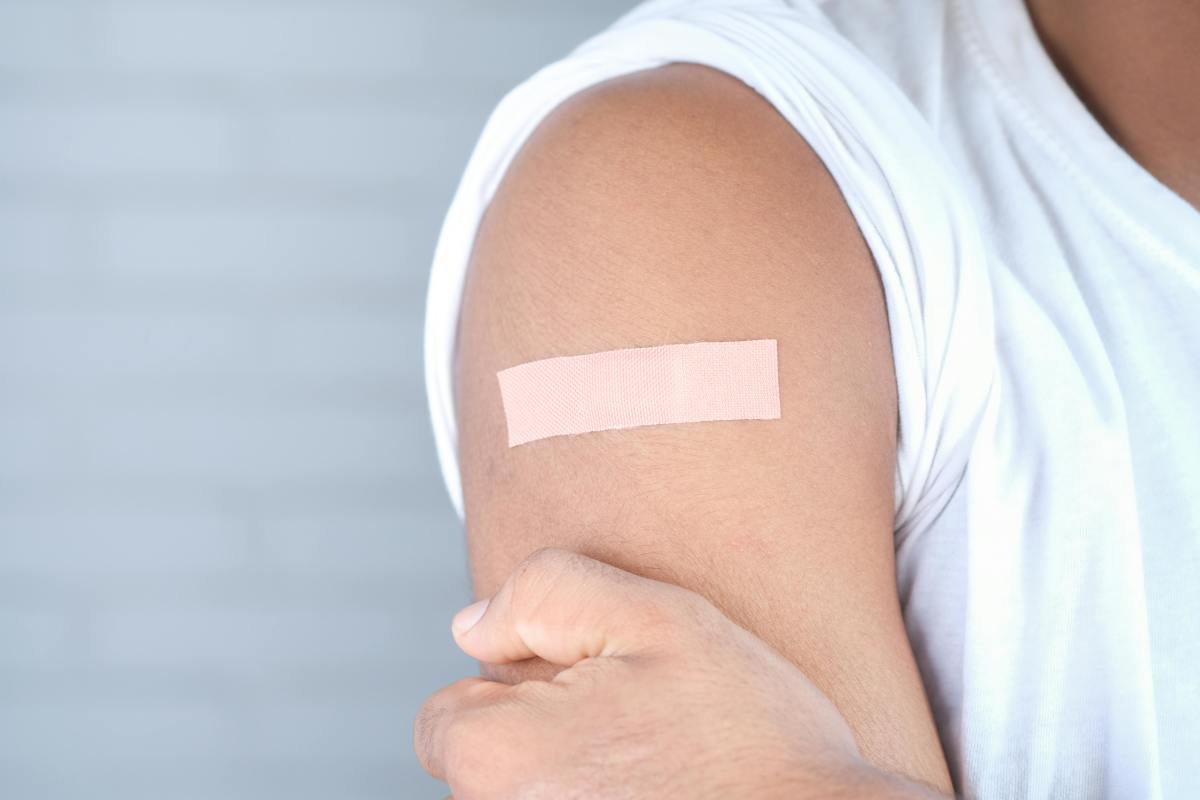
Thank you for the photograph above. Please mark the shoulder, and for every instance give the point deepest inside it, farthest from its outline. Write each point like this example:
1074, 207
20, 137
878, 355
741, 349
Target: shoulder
675, 192
675, 205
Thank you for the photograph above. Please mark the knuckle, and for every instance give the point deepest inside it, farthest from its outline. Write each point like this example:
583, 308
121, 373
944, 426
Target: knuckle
425, 732
681, 614
529, 695
482, 753
459, 738
548, 561
475, 742
544, 570
437, 719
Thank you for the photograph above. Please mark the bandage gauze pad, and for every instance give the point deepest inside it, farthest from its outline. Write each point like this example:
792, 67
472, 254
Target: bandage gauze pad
696, 382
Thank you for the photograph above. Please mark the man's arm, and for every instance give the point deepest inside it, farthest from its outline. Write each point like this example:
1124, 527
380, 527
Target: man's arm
675, 205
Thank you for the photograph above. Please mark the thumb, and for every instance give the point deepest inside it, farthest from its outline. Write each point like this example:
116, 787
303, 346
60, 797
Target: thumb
565, 607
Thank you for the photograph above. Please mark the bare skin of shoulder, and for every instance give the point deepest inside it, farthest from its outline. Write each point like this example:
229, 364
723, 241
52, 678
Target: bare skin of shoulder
703, 577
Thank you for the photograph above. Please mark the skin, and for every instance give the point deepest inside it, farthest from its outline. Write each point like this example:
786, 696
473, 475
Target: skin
675, 205
1137, 68
741, 721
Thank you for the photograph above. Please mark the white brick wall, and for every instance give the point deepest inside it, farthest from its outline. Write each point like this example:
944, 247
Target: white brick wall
226, 560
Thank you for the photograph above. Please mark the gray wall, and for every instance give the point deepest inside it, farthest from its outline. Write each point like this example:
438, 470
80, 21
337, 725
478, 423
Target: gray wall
227, 563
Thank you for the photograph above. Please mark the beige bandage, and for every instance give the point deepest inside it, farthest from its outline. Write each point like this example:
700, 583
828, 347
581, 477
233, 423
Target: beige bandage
697, 382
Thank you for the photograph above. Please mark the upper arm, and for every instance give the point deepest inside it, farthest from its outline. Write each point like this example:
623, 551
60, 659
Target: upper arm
675, 205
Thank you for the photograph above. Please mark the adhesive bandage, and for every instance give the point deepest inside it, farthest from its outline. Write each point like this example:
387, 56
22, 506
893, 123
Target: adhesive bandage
697, 382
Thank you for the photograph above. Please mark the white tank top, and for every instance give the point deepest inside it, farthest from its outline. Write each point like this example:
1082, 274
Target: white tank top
1043, 293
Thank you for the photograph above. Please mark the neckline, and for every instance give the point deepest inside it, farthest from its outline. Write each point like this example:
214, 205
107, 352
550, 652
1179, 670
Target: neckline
1017, 64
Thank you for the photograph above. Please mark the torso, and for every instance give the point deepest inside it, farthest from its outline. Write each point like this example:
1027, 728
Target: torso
1055, 604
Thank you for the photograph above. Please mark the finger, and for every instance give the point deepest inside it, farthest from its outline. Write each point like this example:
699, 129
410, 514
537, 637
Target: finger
437, 725
533, 669
565, 607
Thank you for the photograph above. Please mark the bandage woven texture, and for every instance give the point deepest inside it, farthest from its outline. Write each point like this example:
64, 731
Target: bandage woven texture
696, 382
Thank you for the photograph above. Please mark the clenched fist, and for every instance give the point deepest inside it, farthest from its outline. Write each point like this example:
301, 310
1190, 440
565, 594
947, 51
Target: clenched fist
662, 696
